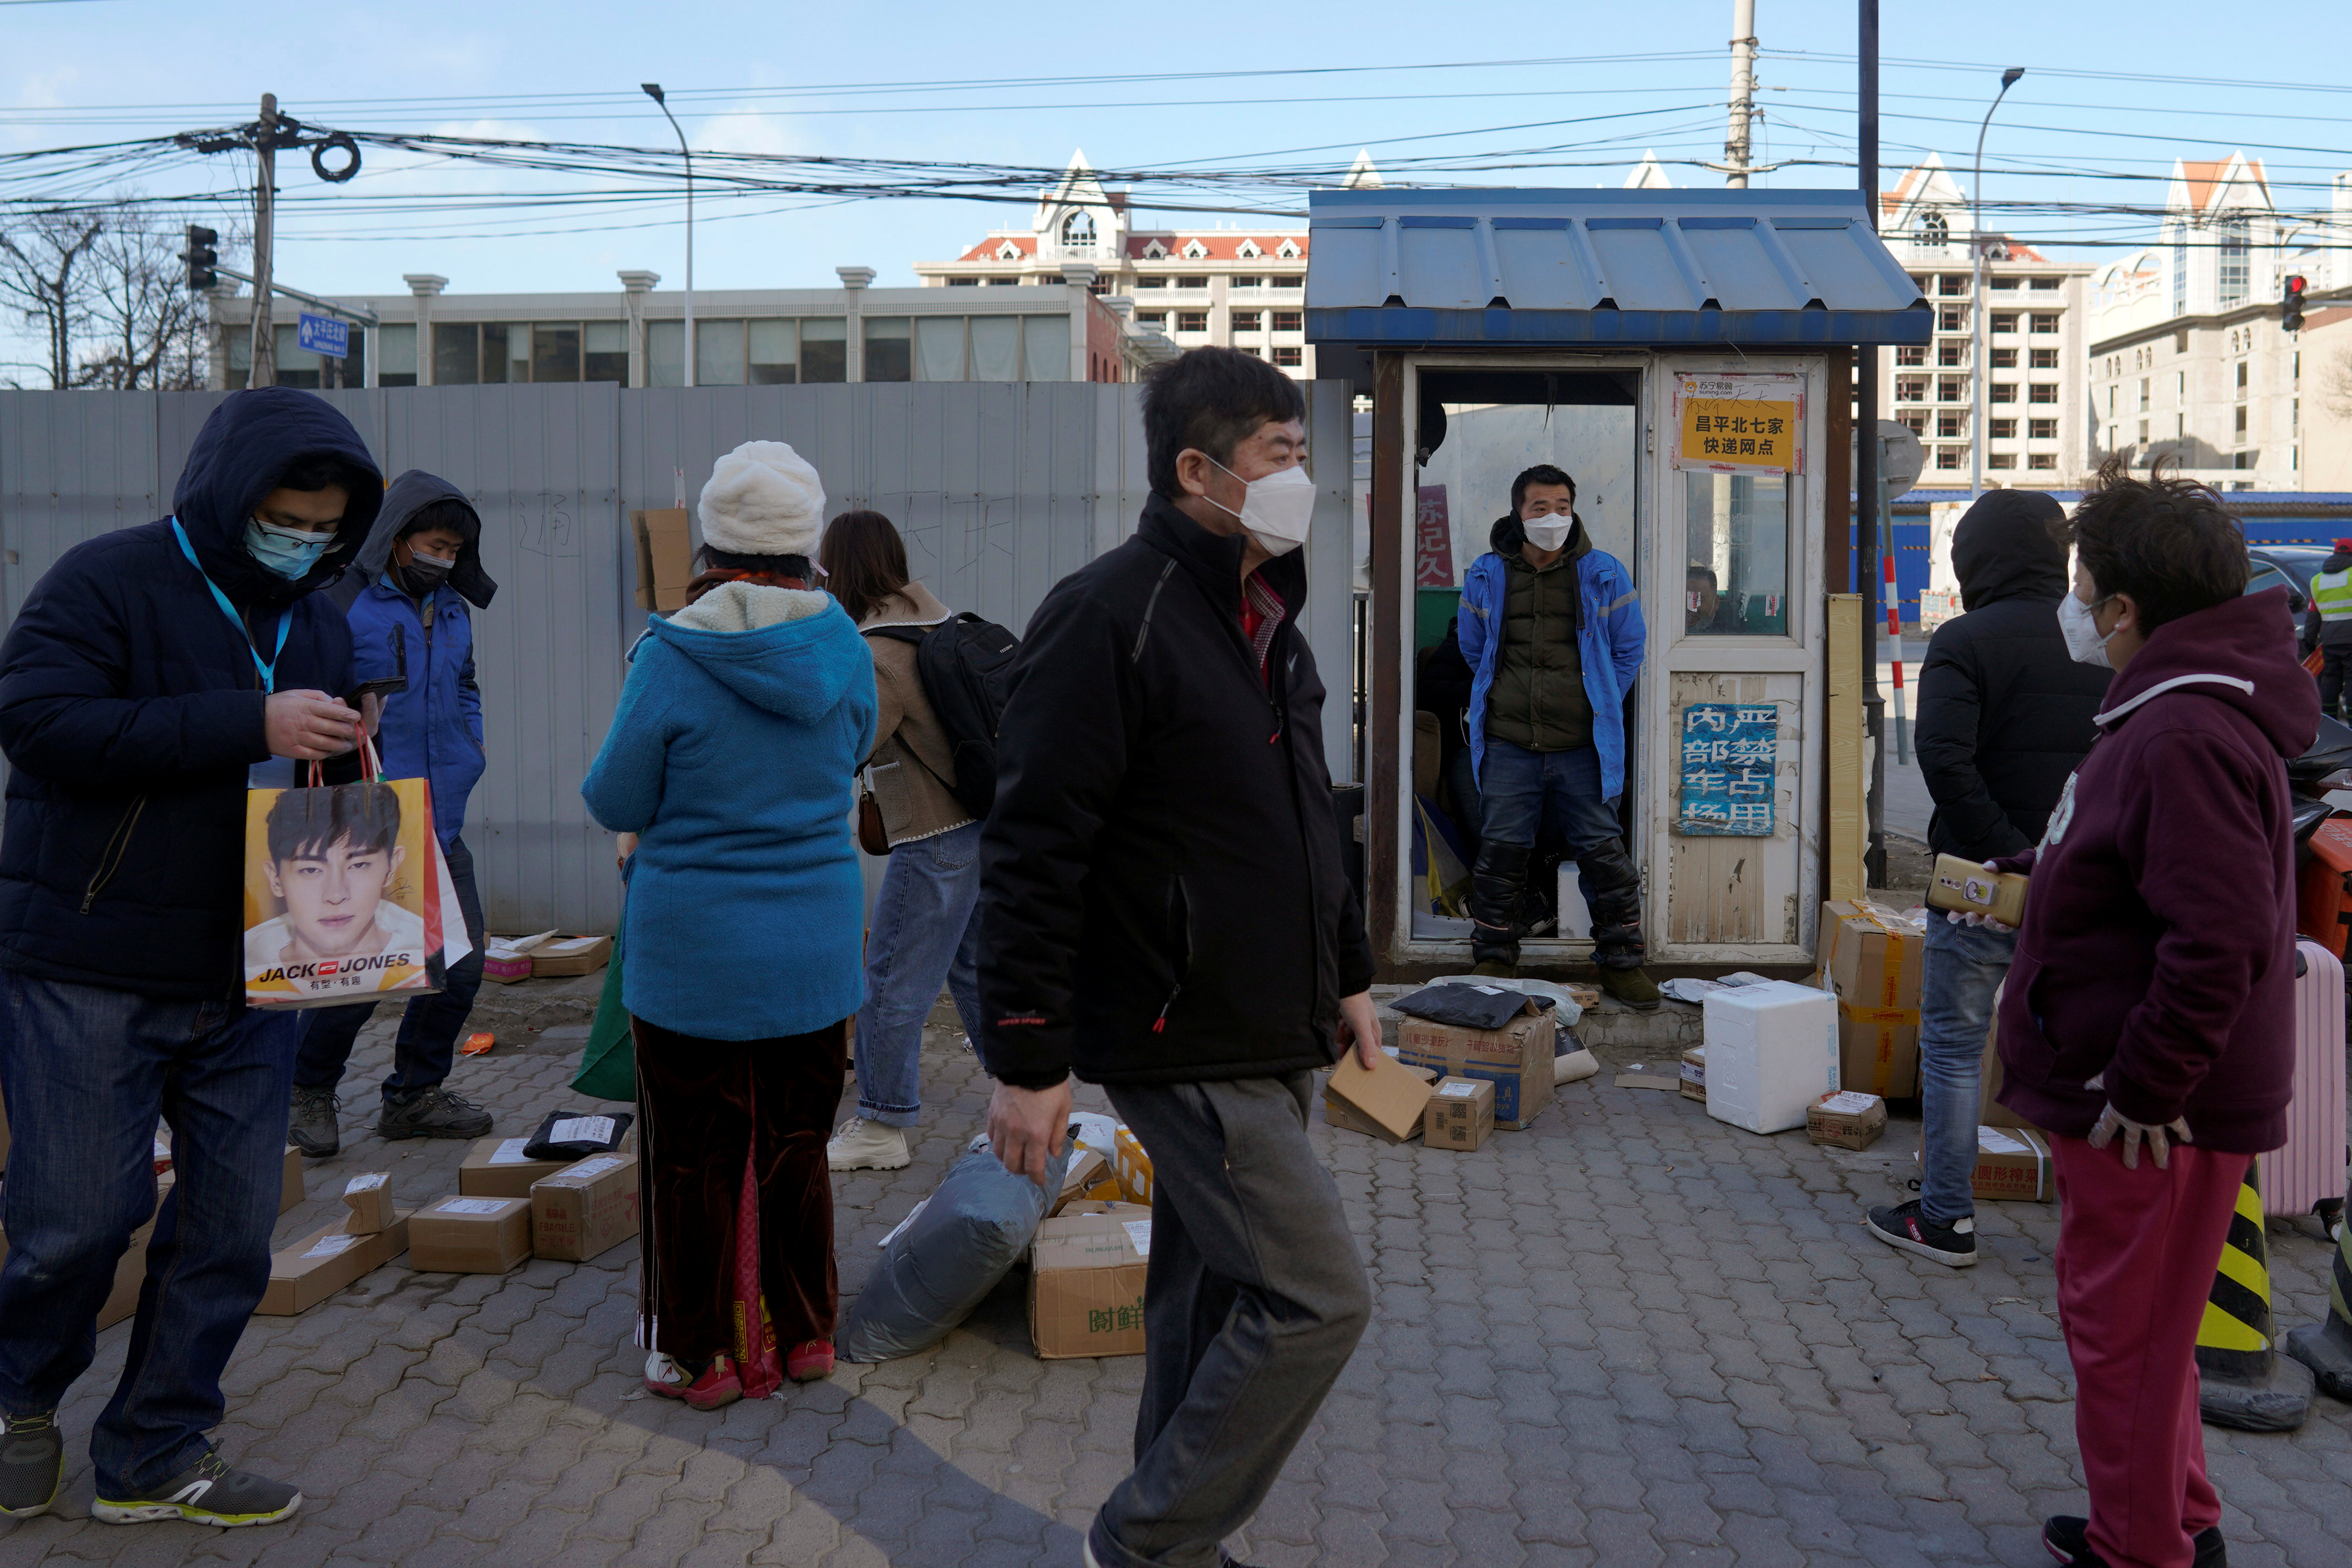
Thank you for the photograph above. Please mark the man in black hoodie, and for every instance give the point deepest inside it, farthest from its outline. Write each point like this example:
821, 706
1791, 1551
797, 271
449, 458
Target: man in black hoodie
2005, 717
1164, 912
153, 673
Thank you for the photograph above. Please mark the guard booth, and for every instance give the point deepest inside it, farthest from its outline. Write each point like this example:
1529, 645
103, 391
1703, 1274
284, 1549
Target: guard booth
1686, 357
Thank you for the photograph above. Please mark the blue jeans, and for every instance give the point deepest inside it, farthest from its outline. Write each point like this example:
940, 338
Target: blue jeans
1961, 969
926, 930
86, 1072
428, 1029
1524, 795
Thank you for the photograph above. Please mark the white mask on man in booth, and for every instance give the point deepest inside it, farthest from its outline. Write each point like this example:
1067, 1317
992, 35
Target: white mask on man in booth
1547, 533
2080, 624
1277, 509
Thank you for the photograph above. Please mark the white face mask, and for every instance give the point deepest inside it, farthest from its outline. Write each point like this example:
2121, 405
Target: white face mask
1547, 533
1277, 509
2079, 622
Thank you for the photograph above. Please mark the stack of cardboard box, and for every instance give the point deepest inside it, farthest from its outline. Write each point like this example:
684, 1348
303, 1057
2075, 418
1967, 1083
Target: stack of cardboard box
1870, 955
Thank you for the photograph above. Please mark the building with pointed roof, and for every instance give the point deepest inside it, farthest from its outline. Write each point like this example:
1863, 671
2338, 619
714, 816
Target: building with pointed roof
1648, 174
2036, 425
1239, 286
2191, 361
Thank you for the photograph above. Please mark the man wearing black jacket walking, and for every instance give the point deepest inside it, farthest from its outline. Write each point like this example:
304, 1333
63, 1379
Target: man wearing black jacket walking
1164, 912
2005, 717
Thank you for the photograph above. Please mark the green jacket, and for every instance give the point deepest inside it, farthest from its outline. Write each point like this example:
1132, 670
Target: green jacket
1538, 700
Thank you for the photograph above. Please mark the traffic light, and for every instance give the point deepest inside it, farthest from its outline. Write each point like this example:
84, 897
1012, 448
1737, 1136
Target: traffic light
2291, 310
200, 256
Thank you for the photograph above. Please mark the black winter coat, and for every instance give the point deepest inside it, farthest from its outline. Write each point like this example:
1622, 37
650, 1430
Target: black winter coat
2004, 710
131, 709
1162, 898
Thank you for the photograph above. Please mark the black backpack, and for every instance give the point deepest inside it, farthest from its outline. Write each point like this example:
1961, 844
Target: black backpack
966, 667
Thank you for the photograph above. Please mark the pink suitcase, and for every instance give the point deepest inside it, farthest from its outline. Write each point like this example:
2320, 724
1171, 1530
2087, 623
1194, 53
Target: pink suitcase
2309, 1172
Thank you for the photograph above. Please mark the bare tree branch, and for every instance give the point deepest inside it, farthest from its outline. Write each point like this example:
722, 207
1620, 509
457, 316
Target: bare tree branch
41, 276
149, 327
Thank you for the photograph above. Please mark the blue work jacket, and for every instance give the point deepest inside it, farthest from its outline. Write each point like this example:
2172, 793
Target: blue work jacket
432, 731
1609, 640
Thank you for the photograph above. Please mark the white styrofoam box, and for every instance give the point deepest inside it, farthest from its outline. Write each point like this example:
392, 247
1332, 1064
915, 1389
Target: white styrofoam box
1772, 1051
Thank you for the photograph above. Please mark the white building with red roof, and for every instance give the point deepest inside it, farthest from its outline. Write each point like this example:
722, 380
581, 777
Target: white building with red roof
1240, 286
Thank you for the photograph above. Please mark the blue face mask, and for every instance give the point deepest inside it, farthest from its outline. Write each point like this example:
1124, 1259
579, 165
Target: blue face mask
288, 551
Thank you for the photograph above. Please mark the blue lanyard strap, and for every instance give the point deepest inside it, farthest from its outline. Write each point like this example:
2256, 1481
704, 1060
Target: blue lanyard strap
268, 671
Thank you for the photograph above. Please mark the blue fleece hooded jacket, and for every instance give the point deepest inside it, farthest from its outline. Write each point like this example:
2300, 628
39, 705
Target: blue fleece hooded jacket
1608, 643
742, 724
131, 709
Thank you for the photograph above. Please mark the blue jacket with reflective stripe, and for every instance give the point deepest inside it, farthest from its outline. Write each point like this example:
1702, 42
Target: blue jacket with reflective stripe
1609, 640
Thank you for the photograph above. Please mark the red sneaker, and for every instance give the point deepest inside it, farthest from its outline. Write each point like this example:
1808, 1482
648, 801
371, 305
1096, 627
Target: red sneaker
718, 1384
809, 1361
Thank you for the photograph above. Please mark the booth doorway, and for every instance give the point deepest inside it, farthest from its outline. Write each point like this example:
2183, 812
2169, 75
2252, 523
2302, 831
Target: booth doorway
1472, 432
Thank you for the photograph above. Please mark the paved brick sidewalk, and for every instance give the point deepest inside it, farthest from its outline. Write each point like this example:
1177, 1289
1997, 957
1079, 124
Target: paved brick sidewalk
1628, 1336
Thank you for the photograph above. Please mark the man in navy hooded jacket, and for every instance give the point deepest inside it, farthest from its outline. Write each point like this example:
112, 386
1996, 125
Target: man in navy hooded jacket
153, 673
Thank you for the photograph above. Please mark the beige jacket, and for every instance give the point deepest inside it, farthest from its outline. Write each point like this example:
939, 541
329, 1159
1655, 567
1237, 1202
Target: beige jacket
912, 765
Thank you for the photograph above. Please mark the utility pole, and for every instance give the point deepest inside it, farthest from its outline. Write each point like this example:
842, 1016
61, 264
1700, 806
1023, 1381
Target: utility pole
1743, 92
1865, 464
265, 195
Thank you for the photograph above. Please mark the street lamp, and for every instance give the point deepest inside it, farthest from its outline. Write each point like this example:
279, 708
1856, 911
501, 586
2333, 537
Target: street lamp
1976, 296
653, 91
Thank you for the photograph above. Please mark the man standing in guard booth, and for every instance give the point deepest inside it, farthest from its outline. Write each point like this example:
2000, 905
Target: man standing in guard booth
2327, 626
1553, 628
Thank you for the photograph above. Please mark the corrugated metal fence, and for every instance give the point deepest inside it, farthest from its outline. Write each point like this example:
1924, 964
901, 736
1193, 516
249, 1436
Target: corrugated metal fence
1001, 489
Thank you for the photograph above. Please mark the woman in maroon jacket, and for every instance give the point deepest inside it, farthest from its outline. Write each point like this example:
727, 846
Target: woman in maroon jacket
2148, 1023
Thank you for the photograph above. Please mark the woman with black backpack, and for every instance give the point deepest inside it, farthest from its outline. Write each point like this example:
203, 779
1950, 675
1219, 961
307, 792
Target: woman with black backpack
922, 928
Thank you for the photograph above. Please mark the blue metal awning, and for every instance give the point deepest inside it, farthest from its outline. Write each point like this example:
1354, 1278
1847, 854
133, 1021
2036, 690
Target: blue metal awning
1528, 269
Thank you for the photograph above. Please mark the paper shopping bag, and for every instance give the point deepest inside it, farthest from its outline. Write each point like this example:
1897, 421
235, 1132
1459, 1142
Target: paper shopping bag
345, 894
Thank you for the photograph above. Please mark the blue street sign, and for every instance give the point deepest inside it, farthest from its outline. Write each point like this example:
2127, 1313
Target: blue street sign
323, 335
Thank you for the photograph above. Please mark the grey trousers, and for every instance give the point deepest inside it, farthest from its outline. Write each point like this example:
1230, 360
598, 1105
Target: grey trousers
1254, 1300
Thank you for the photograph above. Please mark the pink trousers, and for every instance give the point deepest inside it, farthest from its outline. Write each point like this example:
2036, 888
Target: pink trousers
2137, 1251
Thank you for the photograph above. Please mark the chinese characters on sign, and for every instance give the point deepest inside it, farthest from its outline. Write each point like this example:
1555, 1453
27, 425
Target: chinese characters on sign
1730, 755
1433, 534
1732, 423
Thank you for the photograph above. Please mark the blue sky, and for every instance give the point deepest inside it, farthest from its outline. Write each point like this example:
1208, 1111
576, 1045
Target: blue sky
100, 70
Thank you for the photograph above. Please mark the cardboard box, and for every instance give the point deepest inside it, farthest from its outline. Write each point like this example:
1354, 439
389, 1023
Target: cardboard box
1992, 1112
290, 1188
1133, 1166
1085, 1282
664, 557
503, 966
1870, 956
1387, 1095
496, 1168
2011, 1163
315, 1268
564, 955
1460, 1114
1848, 1119
585, 1210
1088, 1176
369, 1197
1336, 1111
1965, 886
1694, 1074
469, 1236
1516, 1058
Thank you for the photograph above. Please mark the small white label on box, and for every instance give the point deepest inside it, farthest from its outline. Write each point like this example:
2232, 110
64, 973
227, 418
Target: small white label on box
1459, 1090
1139, 1234
472, 1206
364, 1183
582, 1130
899, 1229
589, 1169
1851, 1102
1487, 990
1993, 1140
510, 1152
328, 1245
570, 944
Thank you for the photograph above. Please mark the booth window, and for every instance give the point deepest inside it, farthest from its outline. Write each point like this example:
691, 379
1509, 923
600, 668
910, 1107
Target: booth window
1737, 582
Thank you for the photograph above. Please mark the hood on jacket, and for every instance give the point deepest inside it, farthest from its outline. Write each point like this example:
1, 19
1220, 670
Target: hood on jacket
912, 605
791, 651
244, 448
1508, 534
410, 494
2239, 652
2004, 549
2336, 561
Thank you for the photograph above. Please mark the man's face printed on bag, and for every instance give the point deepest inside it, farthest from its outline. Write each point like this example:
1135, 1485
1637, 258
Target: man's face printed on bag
332, 856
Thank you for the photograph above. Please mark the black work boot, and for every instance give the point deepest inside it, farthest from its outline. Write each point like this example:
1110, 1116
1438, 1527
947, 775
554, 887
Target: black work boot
312, 1125
1498, 887
1617, 924
433, 1113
